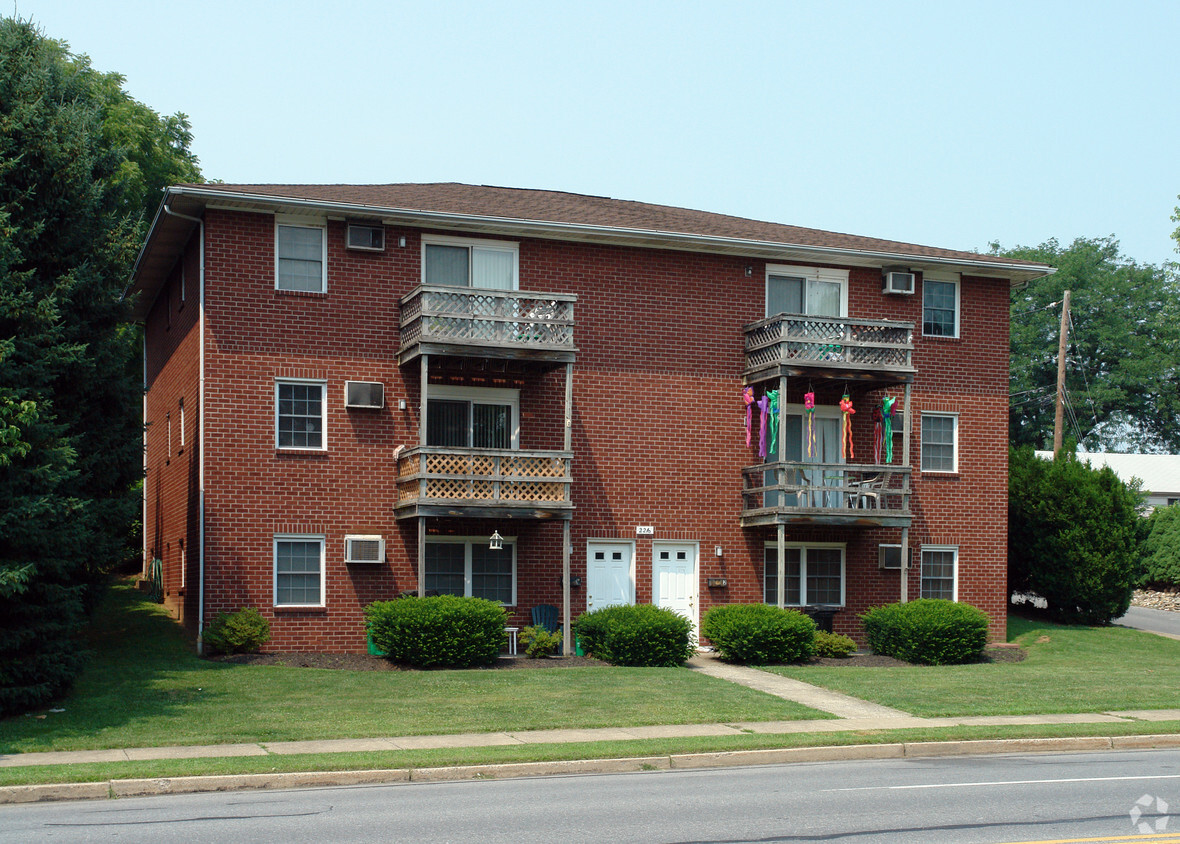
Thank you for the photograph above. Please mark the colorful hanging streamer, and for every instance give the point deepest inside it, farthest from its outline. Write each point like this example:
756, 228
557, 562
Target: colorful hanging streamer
748, 397
809, 409
846, 428
772, 410
763, 406
877, 435
887, 413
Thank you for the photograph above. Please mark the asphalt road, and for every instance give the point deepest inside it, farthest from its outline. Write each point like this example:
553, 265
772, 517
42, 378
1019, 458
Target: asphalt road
1154, 621
942, 801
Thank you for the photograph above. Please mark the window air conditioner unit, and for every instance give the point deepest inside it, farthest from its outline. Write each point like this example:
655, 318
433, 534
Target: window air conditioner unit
897, 281
369, 238
889, 557
367, 394
364, 549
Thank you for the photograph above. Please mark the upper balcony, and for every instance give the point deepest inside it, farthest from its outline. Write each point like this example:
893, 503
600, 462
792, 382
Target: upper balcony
826, 494
477, 322
829, 347
481, 482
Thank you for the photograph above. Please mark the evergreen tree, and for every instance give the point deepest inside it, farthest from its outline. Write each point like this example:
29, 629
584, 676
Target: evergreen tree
80, 162
1073, 536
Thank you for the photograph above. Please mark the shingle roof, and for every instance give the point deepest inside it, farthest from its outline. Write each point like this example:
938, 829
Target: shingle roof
596, 211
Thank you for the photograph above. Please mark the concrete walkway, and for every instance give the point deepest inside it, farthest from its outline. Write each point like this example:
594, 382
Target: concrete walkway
840, 705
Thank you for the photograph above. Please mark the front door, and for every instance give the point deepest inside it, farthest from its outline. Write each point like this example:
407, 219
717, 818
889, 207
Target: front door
608, 574
674, 578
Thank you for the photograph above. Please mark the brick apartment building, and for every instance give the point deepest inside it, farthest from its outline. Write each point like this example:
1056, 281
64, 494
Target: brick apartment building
351, 389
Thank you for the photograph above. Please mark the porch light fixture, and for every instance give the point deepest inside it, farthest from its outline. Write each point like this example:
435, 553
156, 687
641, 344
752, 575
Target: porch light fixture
497, 542
717, 551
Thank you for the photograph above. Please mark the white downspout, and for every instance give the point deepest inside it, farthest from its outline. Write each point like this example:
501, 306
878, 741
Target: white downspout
200, 428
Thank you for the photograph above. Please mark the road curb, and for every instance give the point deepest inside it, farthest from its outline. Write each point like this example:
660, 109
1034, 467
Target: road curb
512, 770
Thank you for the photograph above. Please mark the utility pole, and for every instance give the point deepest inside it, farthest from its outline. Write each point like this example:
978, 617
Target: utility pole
1061, 344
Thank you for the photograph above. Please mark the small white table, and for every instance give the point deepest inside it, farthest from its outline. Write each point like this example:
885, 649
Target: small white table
512, 631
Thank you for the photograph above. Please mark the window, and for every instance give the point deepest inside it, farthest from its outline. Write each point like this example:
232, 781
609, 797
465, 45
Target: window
806, 290
182, 422
940, 306
940, 452
814, 575
472, 417
301, 256
939, 572
299, 571
466, 566
454, 262
299, 414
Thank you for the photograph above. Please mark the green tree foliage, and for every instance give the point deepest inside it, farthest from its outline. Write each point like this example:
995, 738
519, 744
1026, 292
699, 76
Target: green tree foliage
1073, 536
79, 164
1161, 549
1124, 354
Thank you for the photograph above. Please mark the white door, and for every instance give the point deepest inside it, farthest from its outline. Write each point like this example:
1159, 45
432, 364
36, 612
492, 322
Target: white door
608, 574
674, 578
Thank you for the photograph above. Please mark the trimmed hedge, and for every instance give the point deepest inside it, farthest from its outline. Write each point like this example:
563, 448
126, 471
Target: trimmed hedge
244, 631
639, 634
442, 630
833, 645
759, 633
935, 632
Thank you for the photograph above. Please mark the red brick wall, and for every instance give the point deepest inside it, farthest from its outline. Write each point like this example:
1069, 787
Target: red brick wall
658, 425
171, 511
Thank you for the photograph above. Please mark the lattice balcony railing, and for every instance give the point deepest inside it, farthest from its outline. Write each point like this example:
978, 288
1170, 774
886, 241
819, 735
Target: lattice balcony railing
504, 319
482, 477
829, 343
831, 488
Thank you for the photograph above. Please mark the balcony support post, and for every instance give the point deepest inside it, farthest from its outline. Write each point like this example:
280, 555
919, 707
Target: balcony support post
905, 564
421, 556
569, 407
907, 426
565, 588
781, 578
422, 407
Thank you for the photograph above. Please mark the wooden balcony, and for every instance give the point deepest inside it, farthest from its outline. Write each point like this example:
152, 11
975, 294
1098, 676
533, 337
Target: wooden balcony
829, 347
442, 481
826, 494
474, 322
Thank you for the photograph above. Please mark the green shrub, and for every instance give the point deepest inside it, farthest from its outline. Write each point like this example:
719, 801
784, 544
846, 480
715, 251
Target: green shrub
932, 631
639, 634
1161, 550
443, 630
538, 641
244, 631
833, 645
759, 633
1073, 536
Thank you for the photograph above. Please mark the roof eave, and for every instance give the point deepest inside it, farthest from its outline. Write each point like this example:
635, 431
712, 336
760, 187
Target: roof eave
196, 198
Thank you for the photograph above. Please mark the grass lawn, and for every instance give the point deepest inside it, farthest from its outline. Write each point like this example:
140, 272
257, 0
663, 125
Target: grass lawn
143, 687
1068, 669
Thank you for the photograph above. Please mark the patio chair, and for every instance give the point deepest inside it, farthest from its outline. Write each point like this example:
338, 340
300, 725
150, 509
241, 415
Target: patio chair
545, 615
869, 489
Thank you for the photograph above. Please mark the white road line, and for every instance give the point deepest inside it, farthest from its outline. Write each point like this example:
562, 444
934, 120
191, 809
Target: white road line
1005, 782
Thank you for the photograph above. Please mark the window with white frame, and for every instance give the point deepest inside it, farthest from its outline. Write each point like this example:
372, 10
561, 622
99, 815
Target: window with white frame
940, 572
458, 262
466, 566
472, 417
814, 574
301, 255
940, 442
940, 305
299, 570
299, 414
815, 291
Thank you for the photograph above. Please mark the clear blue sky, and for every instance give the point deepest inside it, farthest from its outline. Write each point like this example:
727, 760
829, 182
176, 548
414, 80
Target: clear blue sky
950, 124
